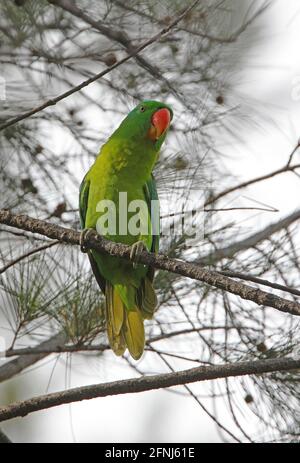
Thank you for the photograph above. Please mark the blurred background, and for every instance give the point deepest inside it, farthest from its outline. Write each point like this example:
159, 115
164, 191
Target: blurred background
231, 72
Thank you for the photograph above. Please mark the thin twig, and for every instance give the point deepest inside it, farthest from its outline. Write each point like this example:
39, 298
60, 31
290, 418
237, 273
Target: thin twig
293, 154
28, 254
287, 168
119, 36
260, 281
250, 242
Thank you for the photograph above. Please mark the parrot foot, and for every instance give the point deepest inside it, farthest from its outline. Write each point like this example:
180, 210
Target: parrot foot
83, 236
136, 249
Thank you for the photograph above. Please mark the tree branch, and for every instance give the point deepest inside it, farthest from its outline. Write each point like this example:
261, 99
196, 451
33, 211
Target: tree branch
146, 383
118, 36
260, 281
12, 368
286, 168
87, 82
159, 261
71, 348
232, 38
249, 242
28, 254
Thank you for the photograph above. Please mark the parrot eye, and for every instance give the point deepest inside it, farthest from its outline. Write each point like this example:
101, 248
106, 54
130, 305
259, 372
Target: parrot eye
142, 109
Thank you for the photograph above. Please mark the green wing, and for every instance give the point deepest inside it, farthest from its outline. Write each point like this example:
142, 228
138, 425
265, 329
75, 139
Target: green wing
83, 207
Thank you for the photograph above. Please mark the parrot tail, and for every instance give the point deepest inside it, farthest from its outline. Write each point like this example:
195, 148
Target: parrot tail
114, 320
125, 328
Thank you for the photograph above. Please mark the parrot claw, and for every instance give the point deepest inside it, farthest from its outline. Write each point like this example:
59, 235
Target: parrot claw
83, 236
135, 251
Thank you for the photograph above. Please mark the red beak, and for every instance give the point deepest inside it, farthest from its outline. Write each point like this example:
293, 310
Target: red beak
160, 123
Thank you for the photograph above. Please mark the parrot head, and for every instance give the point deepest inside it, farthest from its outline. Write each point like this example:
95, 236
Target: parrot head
147, 122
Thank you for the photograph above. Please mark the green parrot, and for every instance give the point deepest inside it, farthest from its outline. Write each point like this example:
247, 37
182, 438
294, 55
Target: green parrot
123, 170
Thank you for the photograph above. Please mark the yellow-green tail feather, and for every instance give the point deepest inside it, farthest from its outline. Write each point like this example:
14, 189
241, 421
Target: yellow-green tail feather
125, 327
114, 321
134, 333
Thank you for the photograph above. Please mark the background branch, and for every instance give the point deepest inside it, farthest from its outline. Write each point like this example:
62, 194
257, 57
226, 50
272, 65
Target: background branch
251, 241
146, 383
282, 170
54, 101
120, 37
15, 366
